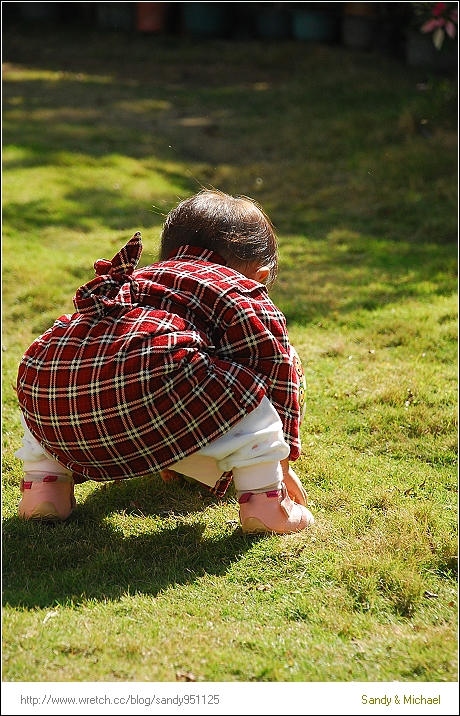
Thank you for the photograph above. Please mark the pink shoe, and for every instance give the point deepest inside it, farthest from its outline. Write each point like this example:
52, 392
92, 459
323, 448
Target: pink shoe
49, 499
272, 511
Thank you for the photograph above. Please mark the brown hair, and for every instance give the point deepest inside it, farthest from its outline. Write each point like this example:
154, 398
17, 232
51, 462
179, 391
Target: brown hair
236, 228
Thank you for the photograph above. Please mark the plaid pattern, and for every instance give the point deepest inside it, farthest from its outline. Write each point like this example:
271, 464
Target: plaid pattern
155, 364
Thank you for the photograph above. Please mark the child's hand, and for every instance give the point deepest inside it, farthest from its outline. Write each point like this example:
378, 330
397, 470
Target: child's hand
168, 475
293, 485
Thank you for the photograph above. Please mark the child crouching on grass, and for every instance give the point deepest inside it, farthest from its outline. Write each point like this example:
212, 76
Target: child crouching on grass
182, 367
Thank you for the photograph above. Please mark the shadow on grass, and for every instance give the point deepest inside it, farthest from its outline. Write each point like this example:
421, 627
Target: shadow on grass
111, 546
344, 160
107, 207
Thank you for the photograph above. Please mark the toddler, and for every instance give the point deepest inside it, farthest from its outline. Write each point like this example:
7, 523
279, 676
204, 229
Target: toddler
182, 367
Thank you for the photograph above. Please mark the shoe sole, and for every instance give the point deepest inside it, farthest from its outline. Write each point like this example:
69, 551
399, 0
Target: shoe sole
46, 512
254, 526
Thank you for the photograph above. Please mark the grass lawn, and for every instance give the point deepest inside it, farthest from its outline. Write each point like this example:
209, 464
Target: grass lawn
354, 157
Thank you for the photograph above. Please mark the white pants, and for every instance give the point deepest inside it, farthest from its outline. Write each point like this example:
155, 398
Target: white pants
36, 459
252, 449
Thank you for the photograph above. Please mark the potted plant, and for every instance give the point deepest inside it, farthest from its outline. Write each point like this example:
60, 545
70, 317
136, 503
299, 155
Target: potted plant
273, 20
39, 11
359, 24
315, 21
151, 16
115, 15
432, 35
205, 18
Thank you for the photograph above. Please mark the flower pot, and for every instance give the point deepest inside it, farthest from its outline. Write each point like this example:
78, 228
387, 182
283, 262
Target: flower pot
273, 24
359, 31
204, 18
362, 9
39, 11
150, 16
314, 26
115, 15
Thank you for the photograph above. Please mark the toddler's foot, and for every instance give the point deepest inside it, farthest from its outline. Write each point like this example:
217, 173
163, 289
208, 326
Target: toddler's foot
272, 511
168, 475
48, 499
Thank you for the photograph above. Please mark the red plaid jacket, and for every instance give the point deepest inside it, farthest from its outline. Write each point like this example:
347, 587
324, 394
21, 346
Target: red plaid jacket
155, 364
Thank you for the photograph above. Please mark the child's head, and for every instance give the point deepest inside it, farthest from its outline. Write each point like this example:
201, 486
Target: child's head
236, 228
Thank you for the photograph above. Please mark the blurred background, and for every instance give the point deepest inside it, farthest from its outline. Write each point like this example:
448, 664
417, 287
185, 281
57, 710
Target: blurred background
391, 28
339, 118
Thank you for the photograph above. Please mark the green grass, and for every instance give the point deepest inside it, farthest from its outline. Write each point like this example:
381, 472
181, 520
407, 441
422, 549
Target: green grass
102, 135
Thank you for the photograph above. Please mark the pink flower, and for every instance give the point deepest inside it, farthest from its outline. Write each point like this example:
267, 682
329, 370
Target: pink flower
442, 22
439, 8
450, 29
432, 24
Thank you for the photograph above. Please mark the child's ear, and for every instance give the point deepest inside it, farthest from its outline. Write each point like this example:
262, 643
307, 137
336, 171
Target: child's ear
261, 274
